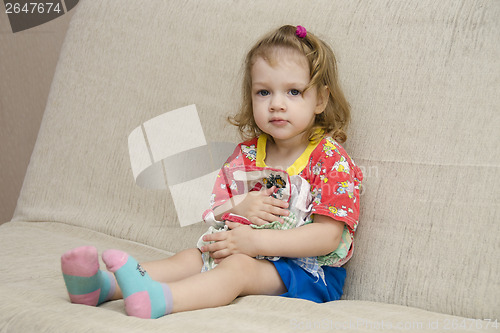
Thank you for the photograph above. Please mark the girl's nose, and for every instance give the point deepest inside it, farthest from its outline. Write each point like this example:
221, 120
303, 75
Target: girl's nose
277, 103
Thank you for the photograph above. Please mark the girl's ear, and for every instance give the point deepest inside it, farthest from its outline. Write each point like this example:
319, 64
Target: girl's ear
323, 95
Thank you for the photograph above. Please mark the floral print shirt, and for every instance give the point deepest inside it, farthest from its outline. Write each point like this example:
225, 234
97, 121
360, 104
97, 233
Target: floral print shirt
334, 178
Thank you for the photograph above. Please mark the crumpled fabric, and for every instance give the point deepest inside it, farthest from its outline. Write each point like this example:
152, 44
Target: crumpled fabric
300, 207
300, 213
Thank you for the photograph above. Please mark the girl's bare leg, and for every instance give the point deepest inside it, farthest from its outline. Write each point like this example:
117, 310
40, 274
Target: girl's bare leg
237, 275
171, 269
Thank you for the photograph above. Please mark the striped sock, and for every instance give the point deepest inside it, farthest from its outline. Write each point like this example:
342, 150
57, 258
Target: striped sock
144, 297
85, 282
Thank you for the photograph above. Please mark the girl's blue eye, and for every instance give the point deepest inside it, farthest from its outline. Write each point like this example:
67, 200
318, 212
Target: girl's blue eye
263, 92
294, 92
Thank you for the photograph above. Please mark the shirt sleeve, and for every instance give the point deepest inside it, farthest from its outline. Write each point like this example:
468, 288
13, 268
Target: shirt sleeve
222, 187
335, 184
225, 186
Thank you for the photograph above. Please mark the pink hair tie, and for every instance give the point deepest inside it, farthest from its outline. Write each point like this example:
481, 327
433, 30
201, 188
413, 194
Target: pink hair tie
301, 31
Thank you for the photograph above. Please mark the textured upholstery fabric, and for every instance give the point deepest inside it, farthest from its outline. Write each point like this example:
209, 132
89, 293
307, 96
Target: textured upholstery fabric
422, 78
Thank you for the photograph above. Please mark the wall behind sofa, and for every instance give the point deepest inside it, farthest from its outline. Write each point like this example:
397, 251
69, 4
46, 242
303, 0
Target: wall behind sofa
27, 63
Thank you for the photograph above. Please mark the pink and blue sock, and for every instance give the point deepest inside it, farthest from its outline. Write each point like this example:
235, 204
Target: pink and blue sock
144, 297
86, 283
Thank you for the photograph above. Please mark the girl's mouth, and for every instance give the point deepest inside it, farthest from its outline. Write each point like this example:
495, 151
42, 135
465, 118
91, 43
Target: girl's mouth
278, 122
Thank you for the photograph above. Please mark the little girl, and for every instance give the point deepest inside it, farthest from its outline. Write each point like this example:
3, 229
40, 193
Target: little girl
292, 117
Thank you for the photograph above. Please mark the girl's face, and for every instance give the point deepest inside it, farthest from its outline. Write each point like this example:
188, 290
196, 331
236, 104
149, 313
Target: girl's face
281, 108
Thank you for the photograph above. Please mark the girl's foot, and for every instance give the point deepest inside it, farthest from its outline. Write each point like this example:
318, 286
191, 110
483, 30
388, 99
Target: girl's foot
86, 283
144, 297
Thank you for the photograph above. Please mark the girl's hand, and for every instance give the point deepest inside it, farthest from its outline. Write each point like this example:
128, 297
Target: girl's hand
259, 207
236, 240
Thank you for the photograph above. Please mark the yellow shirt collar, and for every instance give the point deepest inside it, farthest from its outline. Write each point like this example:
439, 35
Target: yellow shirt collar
297, 166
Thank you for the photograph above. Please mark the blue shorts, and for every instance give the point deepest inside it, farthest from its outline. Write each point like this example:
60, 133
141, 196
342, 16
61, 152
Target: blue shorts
301, 284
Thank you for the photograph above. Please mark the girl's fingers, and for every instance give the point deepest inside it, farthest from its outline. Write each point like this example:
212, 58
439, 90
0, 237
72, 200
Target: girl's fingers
269, 191
264, 219
257, 221
213, 247
215, 237
279, 211
232, 225
217, 255
276, 202
268, 218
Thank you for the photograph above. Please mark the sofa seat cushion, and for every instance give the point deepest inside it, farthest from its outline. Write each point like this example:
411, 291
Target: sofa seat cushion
35, 297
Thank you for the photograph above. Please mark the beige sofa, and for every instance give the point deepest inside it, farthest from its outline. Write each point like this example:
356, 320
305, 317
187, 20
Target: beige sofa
423, 81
